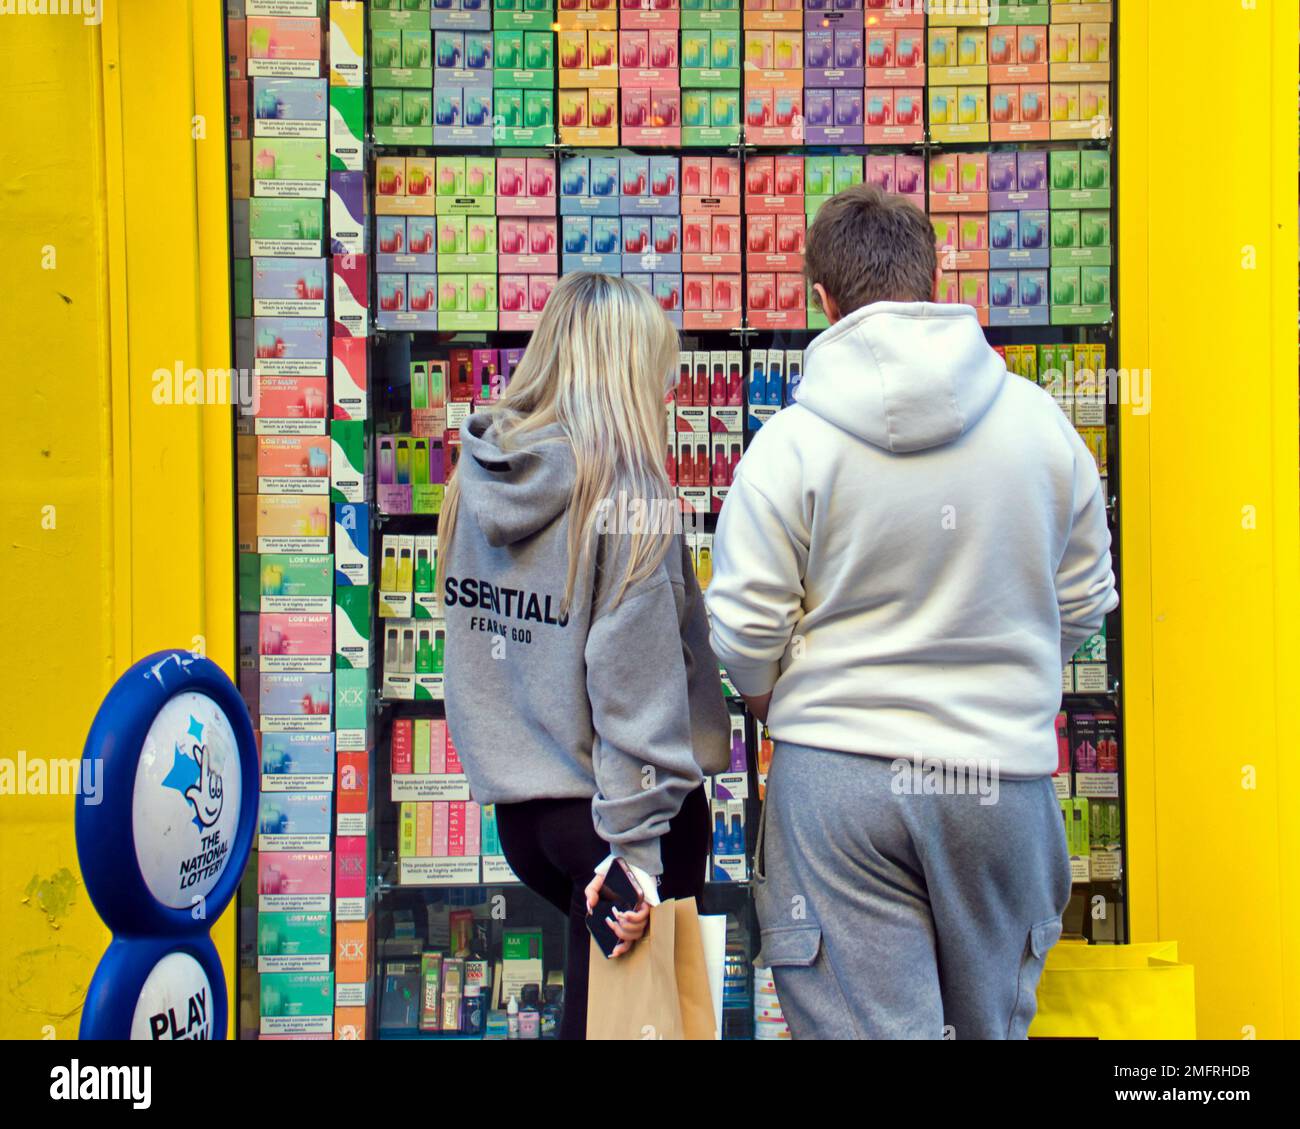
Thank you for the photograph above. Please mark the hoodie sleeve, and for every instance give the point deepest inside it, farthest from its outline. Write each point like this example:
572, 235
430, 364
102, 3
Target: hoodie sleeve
642, 755
1085, 584
755, 596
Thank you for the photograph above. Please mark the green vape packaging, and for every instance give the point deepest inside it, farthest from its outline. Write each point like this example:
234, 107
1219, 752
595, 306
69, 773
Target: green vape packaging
296, 582
348, 460
347, 128
296, 1003
293, 942
351, 694
352, 650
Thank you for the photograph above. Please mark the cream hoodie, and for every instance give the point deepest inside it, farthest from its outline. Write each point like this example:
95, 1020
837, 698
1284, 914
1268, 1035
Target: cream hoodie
912, 551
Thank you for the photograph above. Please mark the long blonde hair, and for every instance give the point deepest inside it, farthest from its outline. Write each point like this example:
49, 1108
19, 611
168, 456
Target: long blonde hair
599, 363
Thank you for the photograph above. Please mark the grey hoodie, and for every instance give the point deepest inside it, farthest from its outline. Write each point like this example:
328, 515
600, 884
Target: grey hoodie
621, 704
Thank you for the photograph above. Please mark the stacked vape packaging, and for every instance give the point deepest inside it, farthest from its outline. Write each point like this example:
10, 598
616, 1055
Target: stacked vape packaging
774, 76
462, 72
443, 837
587, 51
436, 229
728, 793
649, 75
402, 66
351, 490
833, 78
705, 433
1087, 785
771, 377
775, 225
710, 72
474, 243
1018, 249
959, 207
623, 216
1080, 195
288, 131
523, 43
528, 238
1018, 232
895, 73
1042, 72
824, 176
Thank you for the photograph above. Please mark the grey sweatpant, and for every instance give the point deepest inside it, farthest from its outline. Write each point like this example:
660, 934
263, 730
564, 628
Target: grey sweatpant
888, 914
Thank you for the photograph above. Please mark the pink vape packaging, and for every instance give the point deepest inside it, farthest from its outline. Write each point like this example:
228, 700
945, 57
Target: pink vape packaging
297, 881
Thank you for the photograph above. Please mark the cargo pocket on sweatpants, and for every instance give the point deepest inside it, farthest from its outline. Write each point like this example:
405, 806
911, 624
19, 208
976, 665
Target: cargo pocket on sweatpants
775, 903
1039, 943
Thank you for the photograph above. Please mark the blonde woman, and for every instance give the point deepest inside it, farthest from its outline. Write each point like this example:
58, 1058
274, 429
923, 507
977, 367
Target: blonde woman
582, 695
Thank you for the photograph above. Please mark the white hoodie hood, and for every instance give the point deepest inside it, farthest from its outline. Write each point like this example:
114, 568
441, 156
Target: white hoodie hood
904, 376
912, 550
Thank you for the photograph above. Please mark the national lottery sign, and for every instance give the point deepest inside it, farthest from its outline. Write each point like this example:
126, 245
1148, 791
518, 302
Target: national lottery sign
162, 854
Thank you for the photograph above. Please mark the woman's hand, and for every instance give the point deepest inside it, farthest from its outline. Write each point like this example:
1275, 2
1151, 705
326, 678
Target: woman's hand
629, 927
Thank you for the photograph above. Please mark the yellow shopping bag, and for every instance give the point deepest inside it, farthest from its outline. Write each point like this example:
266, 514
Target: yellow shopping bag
1116, 992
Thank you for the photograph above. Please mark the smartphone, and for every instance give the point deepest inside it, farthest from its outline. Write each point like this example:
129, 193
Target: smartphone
618, 891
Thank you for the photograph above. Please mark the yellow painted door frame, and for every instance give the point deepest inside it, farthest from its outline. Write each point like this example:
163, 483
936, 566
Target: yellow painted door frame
121, 508
1209, 501
166, 189
1209, 504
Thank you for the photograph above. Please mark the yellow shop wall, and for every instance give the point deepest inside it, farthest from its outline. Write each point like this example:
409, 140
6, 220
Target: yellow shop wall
1209, 504
118, 512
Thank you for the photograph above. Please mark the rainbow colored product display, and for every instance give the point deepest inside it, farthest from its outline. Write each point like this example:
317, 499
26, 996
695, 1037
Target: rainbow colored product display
672, 73
687, 146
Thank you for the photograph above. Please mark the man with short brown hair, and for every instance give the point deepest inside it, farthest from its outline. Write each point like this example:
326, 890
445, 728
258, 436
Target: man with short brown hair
907, 557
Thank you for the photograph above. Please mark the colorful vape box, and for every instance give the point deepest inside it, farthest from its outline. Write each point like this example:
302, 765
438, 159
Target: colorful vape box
295, 582
285, 228
294, 881
284, 48
351, 544
349, 868
289, 167
295, 642
350, 378
289, 107
297, 762
289, 288
347, 128
294, 821
293, 942
349, 460
352, 631
347, 65
292, 464
348, 213
296, 1004
289, 524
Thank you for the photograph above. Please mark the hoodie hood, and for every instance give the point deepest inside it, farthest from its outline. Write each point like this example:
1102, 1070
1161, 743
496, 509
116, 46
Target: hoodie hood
904, 376
513, 494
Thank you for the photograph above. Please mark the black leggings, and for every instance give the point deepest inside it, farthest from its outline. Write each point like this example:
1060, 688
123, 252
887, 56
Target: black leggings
553, 848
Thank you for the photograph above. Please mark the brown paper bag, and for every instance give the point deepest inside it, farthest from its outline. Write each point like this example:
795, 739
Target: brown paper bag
695, 1002
635, 996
